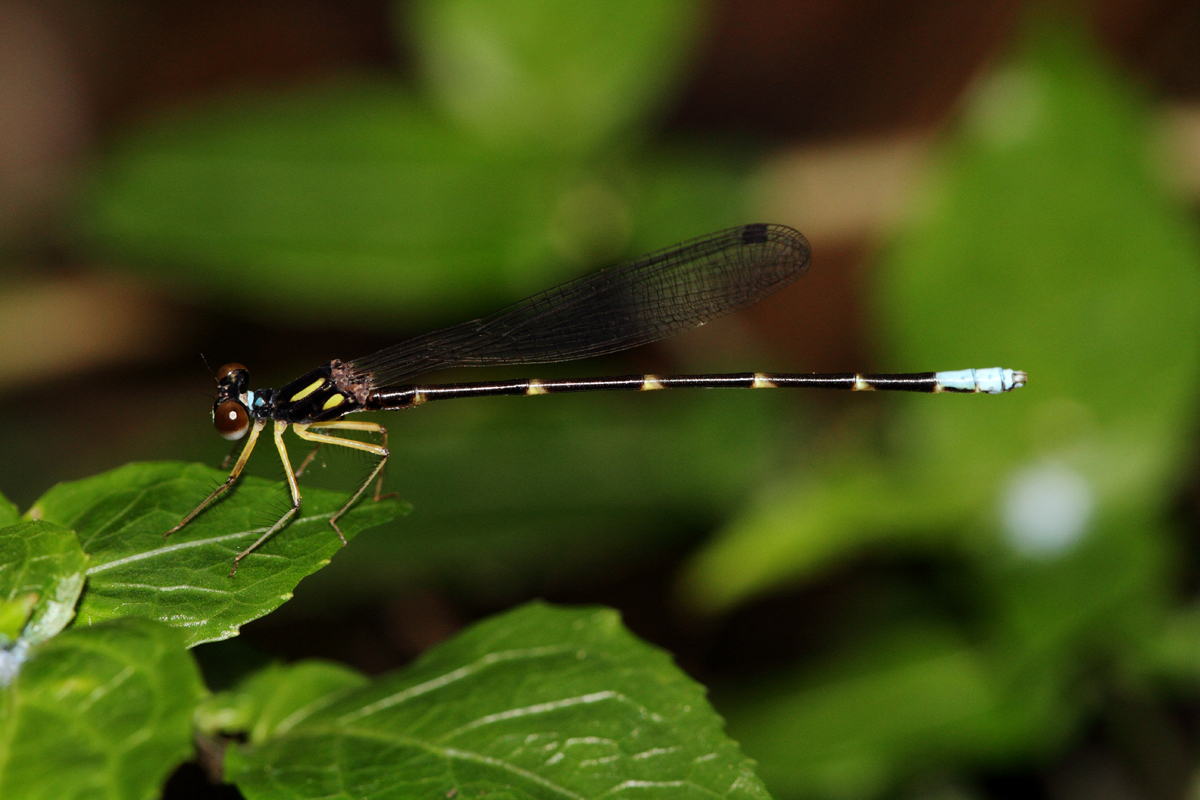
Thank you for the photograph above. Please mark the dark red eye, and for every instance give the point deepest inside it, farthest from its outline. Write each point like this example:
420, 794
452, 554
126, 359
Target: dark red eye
231, 420
224, 371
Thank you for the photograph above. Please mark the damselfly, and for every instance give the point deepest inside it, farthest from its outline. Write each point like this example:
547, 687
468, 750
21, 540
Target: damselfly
633, 303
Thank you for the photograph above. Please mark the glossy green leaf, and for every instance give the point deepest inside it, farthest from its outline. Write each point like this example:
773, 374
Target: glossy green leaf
537, 703
42, 567
274, 700
101, 712
120, 517
565, 76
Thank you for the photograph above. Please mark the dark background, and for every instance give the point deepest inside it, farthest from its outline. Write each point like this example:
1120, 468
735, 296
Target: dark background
828, 116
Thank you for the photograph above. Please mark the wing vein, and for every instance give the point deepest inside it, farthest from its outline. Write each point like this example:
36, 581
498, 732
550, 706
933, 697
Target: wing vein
633, 303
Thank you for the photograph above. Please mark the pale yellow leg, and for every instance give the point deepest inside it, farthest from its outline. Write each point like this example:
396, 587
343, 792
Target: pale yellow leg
280, 427
346, 425
304, 432
355, 425
233, 476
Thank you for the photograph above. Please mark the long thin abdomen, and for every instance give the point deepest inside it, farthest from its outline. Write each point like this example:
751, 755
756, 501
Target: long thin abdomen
990, 381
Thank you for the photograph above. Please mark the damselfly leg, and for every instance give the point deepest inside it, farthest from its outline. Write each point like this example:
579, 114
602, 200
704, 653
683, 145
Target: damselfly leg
640, 301
305, 431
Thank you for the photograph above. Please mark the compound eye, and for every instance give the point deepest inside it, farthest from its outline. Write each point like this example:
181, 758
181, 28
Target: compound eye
231, 420
225, 371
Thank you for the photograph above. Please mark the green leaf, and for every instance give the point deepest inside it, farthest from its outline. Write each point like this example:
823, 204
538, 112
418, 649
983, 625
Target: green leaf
120, 517
539, 702
349, 199
8, 512
99, 712
272, 701
14, 614
42, 569
565, 76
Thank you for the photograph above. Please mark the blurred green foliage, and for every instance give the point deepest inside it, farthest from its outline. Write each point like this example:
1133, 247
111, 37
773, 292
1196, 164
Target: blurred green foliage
1042, 242
512, 495
543, 75
516, 162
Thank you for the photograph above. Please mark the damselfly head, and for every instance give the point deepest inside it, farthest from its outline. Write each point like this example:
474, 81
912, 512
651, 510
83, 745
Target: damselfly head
230, 416
231, 419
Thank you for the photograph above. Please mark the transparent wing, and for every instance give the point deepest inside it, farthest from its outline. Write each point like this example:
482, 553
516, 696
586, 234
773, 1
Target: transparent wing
636, 302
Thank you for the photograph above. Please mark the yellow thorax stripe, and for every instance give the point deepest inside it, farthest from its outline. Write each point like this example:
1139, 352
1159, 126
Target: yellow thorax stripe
307, 390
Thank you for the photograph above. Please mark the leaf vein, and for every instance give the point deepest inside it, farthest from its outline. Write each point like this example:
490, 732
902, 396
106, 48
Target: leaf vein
451, 677
543, 708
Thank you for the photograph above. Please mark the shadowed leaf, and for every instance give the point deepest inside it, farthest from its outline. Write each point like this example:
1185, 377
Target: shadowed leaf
540, 702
